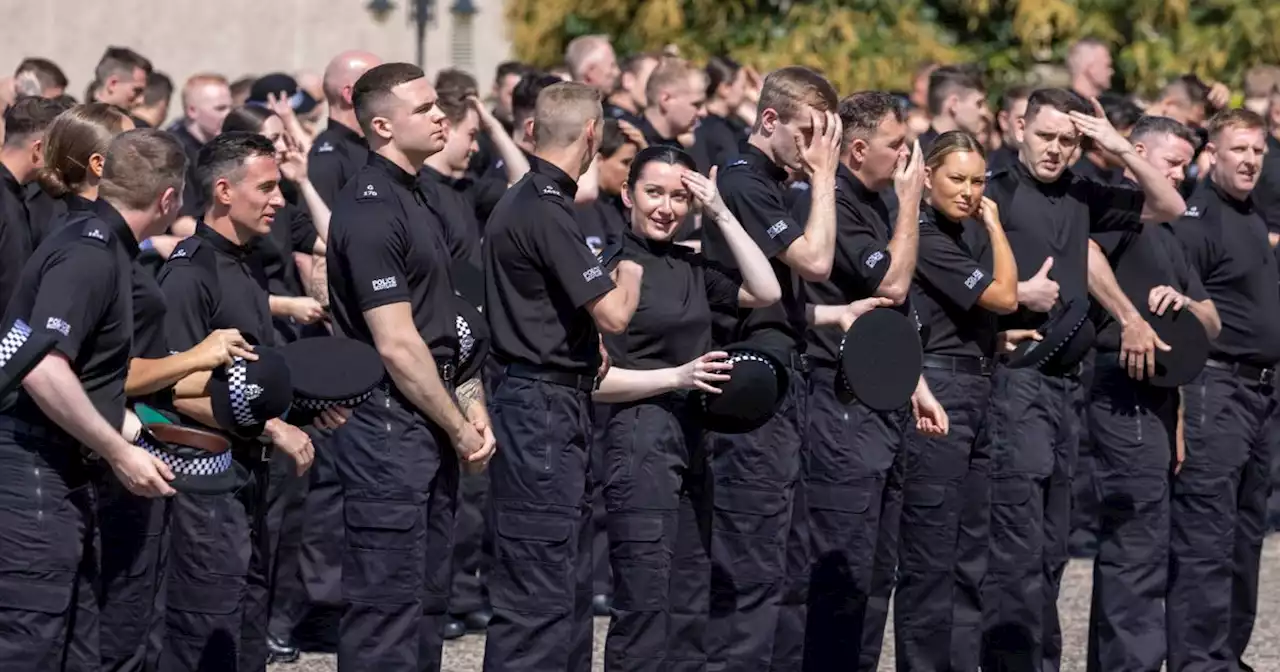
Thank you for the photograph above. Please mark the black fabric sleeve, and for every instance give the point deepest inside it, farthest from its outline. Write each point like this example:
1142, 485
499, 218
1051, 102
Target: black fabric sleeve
1111, 207
376, 252
760, 208
722, 284
191, 302
560, 249
862, 253
77, 285
949, 269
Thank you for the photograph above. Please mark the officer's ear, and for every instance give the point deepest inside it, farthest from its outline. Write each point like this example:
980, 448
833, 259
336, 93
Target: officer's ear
1020, 129
769, 121
528, 129
170, 201
96, 163
928, 178
626, 195
858, 150
37, 153
381, 126
222, 191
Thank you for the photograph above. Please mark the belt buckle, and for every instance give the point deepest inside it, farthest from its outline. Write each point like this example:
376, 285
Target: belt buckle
1267, 376
986, 366
448, 372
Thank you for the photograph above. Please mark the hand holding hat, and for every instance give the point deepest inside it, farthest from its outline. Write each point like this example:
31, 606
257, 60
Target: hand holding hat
144, 474
704, 372
1138, 345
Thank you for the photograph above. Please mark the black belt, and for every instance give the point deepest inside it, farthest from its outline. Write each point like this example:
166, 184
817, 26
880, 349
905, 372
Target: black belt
35, 430
976, 366
575, 380
1249, 372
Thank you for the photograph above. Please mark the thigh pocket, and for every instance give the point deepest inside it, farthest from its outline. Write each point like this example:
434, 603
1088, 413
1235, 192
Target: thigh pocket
536, 555
1203, 514
641, 561
928, 532
749, 533
1135, 517
385, 555
1015, 523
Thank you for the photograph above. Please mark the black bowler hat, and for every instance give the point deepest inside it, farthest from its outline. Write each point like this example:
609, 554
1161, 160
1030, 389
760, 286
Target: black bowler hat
880, 360
756, 387
245, 394
1189, 344
330, 371
21, 349
1066, 337
473, 340
277, 83
201, 460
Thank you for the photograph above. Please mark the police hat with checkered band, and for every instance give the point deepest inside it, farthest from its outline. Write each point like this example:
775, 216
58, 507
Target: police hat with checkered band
21, 349
245, 394
201, 460
880, 360
330, 371
756, 387
1065, 339
473, 340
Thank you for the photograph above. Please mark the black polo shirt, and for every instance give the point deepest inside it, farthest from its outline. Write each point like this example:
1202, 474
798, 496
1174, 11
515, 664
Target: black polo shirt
602, 221
861, 258
1226, 243
193, 201
755, 190
953, 269
292, 230
1090, 170
655, 139
149, 310
672, 323
1054, 220
453, 200
78, 289
15, 234
539, 276
1002, 158
337, 154
387, 245
1266, 196
48, 214
717, 138
489, 189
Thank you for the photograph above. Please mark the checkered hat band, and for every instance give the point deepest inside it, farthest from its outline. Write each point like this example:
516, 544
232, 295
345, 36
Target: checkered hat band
466, 342
13, 340
238, 387
744, 357
197, 466
321, 404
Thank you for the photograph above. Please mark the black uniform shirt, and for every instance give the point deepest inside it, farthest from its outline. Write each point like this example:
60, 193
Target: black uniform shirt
539, 276
292, 230
490, 187
387, 245
193, 201
1002, 158
1266, 196
654, 138
602, 221
77, 288
211, 283
1090, 170
336, 155
861, 258
672, 323
1055, 220
953, 269
15, 234
48, 214
149, 310
1226, 243
453, 199
716, 138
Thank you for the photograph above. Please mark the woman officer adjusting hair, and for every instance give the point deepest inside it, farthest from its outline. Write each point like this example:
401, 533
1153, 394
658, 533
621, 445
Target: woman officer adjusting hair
653, 457
965, 277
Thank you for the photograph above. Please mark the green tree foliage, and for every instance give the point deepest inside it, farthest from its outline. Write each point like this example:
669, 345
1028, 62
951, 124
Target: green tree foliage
878, 43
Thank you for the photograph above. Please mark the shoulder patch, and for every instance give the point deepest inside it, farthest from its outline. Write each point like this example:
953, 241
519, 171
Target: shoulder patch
739, 162
95, 229
551, 190
1194, 212
186, 249
369, 191
324, 147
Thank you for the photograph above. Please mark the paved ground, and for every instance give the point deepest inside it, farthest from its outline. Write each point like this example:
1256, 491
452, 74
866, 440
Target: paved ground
464, 655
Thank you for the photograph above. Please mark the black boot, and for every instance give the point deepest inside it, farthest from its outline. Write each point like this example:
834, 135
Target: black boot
281, 651
453, 628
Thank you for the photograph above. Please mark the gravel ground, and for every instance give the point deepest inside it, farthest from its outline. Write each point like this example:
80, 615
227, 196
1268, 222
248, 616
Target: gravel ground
465, 655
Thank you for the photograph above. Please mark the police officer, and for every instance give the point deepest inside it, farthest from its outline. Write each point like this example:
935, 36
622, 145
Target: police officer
76, 290
604, 219
1133, 426
547, 299
217, 601
756, 474
677, 99
1047, 214
655, 485
396, 458
21, 157
340, 149
1219, 496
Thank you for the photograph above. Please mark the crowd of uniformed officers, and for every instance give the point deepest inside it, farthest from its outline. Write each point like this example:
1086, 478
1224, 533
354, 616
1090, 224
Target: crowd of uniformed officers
557, 289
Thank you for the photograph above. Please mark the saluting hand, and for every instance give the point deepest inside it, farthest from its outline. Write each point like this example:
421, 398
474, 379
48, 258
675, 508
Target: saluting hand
908, 176
705, 192
144, 474
700, 373
1100, 130
632, 134
221, 347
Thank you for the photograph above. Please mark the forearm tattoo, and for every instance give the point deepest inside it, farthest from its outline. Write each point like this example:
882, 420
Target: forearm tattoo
469, 395
319, 286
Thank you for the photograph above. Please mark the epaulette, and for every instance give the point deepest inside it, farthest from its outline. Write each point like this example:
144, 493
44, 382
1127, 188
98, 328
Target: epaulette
550, 192
185, 249
94, 229
371, 191
1193, 212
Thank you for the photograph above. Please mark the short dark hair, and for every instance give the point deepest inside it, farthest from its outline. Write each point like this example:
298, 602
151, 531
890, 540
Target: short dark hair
1061, 100
119, 61
721, 70
1121, 112
1012, 95
951, 79
1149, 126
30, 115
246, 119
1189, 87
453, 78
140, 166
46, 72
524, 98
612, 138
862, 113
159, 88
508, 68
370, 94
225, 156
658, 154
454, 88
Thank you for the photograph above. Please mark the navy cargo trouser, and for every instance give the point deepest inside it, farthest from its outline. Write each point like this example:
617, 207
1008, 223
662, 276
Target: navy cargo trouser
1083, 542
1034, 439
759, 542
944, 533
286, 520
853, 491
399, 486
657, 493
1218, 519
48, 557
601, 577
1133, 426
320, 557
135, 550
216, 577
540, 492
471, 551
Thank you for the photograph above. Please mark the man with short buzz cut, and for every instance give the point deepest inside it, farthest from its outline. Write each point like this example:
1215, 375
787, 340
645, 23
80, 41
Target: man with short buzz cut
957, 101
21, 157
77, 290
628, 101
1013, 104
676, 96
206, 101
390, 278
1259, 82
340, 150
1090, 67
154, 108
591, 60
39, 77
120, 78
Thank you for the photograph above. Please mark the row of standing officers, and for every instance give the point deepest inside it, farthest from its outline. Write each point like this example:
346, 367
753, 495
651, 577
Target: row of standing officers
778, 548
